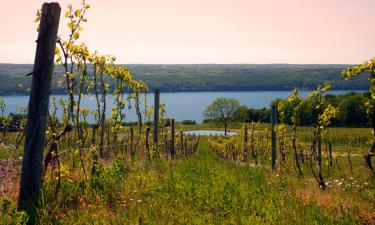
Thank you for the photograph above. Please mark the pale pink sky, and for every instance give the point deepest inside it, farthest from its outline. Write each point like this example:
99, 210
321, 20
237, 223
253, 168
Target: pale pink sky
207, 31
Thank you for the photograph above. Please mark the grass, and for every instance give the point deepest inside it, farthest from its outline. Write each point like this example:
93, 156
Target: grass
206, 189
201, 189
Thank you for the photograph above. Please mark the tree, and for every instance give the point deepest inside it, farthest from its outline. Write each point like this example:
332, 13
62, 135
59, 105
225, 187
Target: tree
369, 68
352, 110
222, 110
241, 114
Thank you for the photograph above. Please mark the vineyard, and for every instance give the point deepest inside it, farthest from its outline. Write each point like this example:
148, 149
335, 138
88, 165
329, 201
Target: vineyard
200, 186
64, 163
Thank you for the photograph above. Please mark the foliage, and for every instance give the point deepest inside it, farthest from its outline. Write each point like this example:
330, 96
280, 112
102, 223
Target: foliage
351, 111
10, 215
171, 78
354, 71
221, 110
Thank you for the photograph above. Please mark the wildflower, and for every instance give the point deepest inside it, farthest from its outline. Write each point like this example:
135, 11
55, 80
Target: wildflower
96, 197
139, 200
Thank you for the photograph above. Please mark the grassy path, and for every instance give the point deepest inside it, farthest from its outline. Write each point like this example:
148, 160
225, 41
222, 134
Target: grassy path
204, 189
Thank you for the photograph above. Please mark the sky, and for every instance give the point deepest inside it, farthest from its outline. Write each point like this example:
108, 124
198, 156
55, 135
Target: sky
206, 31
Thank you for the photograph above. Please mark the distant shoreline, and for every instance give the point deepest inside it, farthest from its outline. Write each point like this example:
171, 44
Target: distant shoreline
174, 78
239, 91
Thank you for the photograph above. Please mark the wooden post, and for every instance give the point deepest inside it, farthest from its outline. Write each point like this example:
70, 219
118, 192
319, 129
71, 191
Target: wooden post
108, 140
246, 138
148, 130
273, 134
95, 155
102, 132
330, 154
182, 142
31, 174
93, 138
156, 121
166, 146
132, 150
173, 153
320, 150
186, 147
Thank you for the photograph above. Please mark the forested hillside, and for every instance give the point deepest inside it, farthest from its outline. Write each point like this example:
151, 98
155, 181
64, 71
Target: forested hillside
212, 77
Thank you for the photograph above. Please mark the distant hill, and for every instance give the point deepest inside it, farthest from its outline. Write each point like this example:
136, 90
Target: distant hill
206, 77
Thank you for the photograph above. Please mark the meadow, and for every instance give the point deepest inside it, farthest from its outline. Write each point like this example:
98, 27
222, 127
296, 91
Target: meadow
202, 187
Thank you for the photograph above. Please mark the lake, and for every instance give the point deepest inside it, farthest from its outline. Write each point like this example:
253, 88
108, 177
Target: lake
209, 132
180, 105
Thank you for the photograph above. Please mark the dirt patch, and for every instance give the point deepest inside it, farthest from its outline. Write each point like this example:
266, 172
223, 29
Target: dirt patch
329, 200
10, 173
311, 195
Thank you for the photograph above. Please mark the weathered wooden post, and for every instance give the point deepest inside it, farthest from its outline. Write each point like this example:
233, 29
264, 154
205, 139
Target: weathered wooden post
109, 147
132, 150
95, 155
148, 130
173, 152
31, 174
156, 121
246, 139
273, 134
93, 138
301, 155
181, 142
166, 144
330, 154
186, 147
320, 150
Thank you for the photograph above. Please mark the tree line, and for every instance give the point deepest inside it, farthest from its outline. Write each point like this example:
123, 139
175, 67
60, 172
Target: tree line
351, 111
177, 78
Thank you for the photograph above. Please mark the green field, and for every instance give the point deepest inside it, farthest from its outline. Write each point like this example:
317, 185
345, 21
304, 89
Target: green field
206, 189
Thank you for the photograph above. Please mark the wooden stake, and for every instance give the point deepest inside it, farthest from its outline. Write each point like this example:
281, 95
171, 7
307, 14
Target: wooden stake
156, 121
31, 174
273, 134
246, 138
173, 153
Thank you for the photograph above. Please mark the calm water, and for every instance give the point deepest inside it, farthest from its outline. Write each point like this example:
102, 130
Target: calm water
209, 132
180, 105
